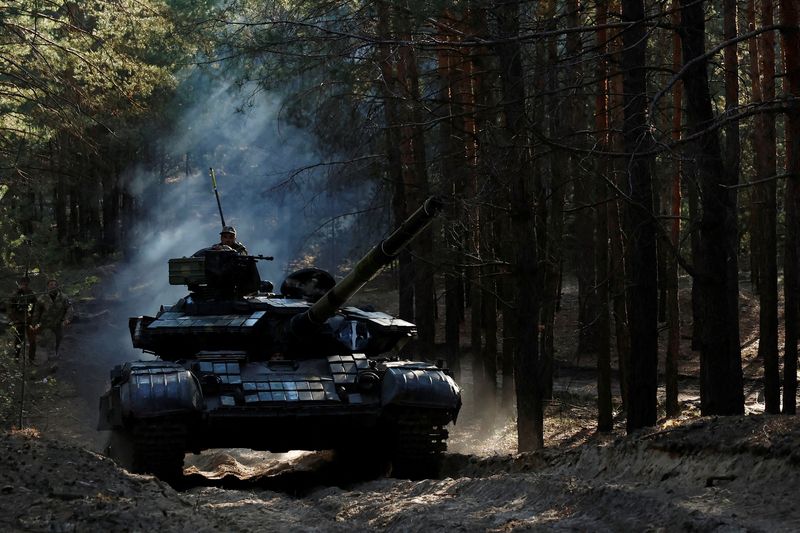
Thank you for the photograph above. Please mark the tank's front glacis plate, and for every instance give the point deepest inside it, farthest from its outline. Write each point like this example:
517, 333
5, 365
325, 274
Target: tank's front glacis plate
230, 384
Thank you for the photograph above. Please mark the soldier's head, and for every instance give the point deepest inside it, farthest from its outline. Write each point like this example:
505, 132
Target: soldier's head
52, 286
227, 236
23, 282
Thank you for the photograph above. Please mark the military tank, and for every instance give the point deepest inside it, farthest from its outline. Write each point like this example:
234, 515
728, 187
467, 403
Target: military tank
239, 366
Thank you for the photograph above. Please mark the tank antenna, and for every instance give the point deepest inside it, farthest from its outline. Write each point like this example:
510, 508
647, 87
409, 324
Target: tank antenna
216, 193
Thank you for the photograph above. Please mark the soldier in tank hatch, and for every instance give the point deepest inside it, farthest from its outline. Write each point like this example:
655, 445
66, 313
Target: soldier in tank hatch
227, 237
53, 312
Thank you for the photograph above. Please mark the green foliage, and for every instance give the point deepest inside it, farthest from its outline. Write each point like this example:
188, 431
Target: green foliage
82, 86
82, 286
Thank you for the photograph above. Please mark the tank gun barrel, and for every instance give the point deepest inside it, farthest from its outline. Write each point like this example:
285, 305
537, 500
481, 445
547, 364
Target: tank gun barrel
371, 264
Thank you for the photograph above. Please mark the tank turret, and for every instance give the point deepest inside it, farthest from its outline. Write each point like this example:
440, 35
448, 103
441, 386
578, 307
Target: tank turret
239, 366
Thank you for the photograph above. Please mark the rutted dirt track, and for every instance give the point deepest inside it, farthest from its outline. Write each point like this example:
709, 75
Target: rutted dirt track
723, 474
714, 474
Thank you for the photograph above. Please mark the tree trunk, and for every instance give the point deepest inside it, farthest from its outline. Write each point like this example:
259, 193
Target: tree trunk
452, 170
755, 194
671, 283
418, 191
766, 166
605, 414
584, 191
395, 163
618, 245
110, 204
74, 211
551, 219
791, 53
721, 382
732, 146
60, 193
525, 267
643, 286
489, 307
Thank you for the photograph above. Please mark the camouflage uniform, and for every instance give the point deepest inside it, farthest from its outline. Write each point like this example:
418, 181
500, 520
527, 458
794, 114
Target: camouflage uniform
239, 247
21, 309
52, 310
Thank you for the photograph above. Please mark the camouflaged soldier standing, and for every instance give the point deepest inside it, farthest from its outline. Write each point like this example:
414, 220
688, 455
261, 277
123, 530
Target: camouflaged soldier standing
53, 312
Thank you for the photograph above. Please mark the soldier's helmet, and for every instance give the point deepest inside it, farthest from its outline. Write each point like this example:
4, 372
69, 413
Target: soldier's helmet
228, 229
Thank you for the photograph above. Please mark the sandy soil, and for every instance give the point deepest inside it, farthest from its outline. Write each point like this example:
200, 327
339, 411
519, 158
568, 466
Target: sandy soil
721, 474
709, 474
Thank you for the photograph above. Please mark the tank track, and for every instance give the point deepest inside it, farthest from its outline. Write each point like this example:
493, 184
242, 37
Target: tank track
418, 440
151, 446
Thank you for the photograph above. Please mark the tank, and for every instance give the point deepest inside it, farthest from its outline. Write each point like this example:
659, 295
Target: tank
238, 366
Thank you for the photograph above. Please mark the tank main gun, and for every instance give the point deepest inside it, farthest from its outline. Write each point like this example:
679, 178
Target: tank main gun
368, 267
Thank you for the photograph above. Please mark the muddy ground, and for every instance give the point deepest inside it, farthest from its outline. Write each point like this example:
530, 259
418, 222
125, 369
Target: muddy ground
721, 474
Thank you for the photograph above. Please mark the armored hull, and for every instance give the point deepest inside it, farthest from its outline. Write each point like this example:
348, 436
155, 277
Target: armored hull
240, 367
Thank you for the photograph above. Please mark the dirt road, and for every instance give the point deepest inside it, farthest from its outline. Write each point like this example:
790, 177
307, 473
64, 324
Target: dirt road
721, 474
739, 473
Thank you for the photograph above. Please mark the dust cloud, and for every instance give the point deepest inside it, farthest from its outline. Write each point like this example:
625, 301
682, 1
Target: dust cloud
271, 188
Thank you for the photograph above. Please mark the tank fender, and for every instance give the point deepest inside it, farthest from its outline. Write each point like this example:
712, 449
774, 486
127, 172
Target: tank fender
420, 386
149, 389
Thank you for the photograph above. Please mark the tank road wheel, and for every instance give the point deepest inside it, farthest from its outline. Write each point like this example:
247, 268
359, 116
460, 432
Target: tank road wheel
417, 439
150, 446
